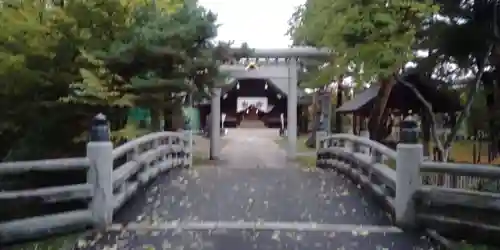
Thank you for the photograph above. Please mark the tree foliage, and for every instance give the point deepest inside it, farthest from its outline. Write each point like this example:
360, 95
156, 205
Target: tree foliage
369, 38
65, 61
375, 39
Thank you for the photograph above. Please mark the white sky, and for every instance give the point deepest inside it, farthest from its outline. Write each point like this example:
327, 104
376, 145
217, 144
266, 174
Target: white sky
260, 23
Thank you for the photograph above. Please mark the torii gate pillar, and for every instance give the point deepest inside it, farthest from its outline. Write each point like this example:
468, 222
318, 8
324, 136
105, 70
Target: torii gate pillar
292, 108
215, 123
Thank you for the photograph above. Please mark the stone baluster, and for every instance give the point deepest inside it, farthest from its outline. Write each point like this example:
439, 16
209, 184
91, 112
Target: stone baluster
100, 173
409, 158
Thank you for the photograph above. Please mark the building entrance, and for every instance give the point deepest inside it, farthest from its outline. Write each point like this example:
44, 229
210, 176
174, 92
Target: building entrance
252, 113
278, 70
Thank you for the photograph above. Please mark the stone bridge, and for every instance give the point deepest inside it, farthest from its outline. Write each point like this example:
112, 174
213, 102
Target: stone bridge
363, 195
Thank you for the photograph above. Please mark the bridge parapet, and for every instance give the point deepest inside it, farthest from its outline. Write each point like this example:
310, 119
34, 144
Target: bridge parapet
113, 176
459, 201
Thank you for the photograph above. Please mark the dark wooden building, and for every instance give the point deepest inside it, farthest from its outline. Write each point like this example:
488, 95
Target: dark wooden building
257, 101
402, 100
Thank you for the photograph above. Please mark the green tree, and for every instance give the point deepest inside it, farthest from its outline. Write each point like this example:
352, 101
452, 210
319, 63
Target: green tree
165, 54
371, 39
35, 70
65, 61
465, 36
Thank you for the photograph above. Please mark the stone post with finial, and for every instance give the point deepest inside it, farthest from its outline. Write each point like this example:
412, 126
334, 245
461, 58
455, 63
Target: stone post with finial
408, 161
100, 155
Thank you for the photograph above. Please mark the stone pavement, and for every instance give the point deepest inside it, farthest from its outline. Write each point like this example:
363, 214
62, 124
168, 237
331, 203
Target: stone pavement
252, 199
253, 148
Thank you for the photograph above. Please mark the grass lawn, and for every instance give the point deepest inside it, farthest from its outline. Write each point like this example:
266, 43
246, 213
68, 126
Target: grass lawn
306, 161
202, 160
461, 151
301, 143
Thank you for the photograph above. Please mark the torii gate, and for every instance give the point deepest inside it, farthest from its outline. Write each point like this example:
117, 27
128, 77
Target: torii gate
280, 66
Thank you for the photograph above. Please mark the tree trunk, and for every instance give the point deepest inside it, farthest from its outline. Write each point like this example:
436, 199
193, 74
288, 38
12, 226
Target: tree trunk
375, 124
338, 117
426, 131
177, 118
384, 130
339, 124
156, 119
491, 92
355, 125
316, 113
167, 119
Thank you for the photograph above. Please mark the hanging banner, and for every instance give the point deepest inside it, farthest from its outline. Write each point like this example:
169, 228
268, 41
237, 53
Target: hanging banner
243, 103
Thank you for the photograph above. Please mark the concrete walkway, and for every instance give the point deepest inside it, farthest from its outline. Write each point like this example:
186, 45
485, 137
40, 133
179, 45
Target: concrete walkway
253, 199
253, 148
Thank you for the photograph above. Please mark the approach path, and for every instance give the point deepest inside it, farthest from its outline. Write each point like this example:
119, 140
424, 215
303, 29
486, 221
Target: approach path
253, 198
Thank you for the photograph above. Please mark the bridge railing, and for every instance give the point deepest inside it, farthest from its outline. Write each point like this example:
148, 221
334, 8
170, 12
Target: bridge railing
25, 227
113, 175
366, 162
145, 157
460, 201
476, 177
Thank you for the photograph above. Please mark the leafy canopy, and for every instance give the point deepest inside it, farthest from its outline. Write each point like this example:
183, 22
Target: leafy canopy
370, 38
96, 56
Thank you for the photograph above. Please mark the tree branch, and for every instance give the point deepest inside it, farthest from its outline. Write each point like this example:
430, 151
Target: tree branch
429, 109
470, 98
465, 112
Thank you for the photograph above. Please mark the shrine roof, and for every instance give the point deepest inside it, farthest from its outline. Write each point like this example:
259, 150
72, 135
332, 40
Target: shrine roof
403, 98
280, 86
